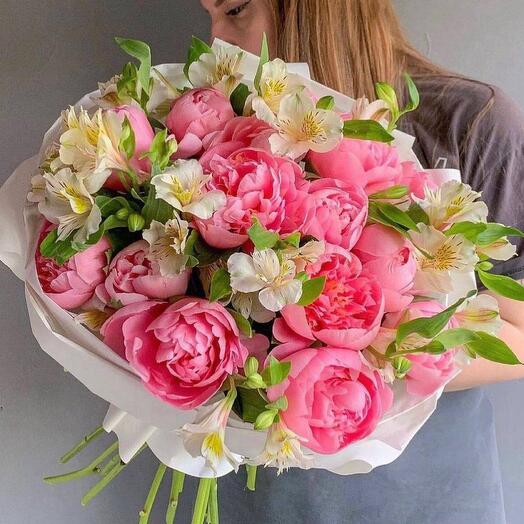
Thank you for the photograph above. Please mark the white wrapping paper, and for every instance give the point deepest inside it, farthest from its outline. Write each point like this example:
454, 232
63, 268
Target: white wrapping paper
135, 415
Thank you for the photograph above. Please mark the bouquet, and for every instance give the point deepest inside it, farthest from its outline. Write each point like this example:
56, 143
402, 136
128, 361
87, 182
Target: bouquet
253, 269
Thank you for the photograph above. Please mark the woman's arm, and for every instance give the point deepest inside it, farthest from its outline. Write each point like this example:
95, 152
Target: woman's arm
481, 372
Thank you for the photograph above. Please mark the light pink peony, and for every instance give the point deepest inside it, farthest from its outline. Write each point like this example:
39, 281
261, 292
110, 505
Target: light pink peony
341, 212
256, 184
194, 116
183, 353
415, 180
387, 255
240, 132
72, 284
133, 277
333, 398
375, 166
347, 314
144, 135
428, 372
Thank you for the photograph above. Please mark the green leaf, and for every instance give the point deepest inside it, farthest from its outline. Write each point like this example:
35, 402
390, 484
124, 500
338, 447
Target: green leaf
469, 230
142, 52
430, 327
502, 285
494, 232
110, 205
452, 338
265, 419
264, 59
281, 404
401, 366
251, 404
161, 150
376, 216
386, 93
414, 95
293, 239
238, 98
156, 208
417, 214
366, 130
190, 242
261, 237
276, 371
311, 290
59, 250
396, 215
492, 348
196, 49
127, 139
326, 102
391, 193
242, 322
433, 348
220, 285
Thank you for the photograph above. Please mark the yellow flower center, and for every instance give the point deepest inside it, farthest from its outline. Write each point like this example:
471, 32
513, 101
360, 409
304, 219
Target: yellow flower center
312, 129
213, 445
183, 195
80, 204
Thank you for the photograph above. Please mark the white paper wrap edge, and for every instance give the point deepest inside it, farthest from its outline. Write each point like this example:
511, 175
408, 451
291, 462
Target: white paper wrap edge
137, 417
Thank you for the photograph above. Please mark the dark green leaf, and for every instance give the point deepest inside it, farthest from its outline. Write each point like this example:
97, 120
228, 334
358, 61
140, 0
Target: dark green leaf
311, 290
156, 208
251, 404
59, 250
502, 285
238, 98
417, 214
366, 130
326, 102
220, 285
396, 215
242, 322
375, 216
492, 348
197, 48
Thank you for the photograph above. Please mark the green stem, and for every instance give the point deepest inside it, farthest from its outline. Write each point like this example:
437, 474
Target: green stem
82, 444
103, 483
200, 508
212, 513
251, 477
90, 469
177, 485
110, 465
151, 496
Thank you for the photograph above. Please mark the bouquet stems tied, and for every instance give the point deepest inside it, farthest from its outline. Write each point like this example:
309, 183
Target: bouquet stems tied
146, 512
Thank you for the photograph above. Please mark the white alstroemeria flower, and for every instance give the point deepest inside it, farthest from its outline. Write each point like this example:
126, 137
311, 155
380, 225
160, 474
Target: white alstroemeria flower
501, 249
275, 83
263, 272
283, 450
93, 319
37, 193
109, 97
205, 437
453, 202
69, 204
364, 110
183, 187
304, 255
301, 126
167, 243
439, 257
249, 306
480, 314
219, 69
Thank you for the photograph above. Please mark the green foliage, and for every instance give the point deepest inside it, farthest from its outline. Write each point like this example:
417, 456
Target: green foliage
261, 237
391, 193
161, 150
502, 285
196, 49
326, 102
238, 98
311, 290
264, 58
492, 348
275, 372
366, 130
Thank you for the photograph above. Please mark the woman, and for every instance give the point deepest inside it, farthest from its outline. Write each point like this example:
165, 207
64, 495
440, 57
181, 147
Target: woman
449, 474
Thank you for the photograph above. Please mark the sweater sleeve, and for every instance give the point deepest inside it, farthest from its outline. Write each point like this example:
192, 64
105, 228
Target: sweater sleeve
492, 162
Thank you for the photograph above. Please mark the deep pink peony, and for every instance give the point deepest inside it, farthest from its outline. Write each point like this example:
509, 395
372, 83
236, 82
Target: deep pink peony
183, 353
144, 135
428, 372
194, 116
384, 253
133, 277
239, 133
333, 398
372, 165
72, 284
347, 314
256, 184
341, 211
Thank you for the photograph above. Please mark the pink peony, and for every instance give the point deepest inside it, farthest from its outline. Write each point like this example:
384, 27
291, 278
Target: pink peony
333, 398
341, 212
240, 132
72, 284
133, 277
194, 116
389, 257
256, 184
415, 180
144, 135
183, 353
347, 314
375, 166
428, 372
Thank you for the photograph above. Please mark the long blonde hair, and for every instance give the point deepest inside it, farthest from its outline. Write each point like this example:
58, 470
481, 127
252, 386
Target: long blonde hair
349, 44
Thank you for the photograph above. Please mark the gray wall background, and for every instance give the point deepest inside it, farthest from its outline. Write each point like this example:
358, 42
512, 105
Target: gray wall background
54, 51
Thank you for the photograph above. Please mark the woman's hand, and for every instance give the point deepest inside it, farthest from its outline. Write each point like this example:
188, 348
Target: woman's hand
481, 372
